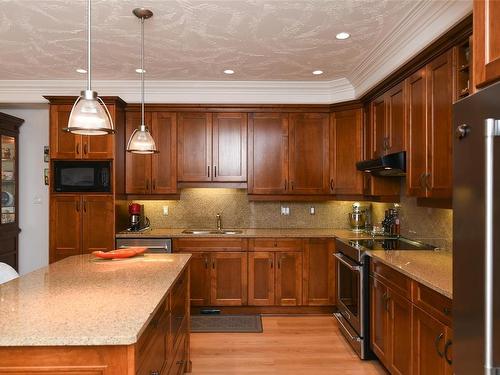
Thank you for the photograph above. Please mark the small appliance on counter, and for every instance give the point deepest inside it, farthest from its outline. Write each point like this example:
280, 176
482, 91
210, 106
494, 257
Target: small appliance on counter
138, 222
360, 217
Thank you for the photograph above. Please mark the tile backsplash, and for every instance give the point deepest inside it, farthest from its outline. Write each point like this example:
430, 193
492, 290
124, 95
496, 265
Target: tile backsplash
197, 208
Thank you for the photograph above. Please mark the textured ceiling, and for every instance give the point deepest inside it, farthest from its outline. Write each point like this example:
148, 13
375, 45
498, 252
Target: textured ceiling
194, 40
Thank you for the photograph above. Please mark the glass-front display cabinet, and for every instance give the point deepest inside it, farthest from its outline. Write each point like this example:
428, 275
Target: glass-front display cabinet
9, 203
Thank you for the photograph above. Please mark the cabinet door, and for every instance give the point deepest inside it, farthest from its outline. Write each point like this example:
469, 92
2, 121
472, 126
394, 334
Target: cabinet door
289, 278
378, 118
319, 272
260, 278
400, 335
194, 147
229, 147
439, 180
137, 167
200, 278
396, 119
164, 164
486, 42
309, 153
379, 320
63, 145
429, 337
65, 226
229, 279
98, 223
100, 146
267, 153
416, 156
346, 148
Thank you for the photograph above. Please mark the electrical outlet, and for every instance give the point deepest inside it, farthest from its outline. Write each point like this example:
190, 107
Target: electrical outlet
285, 211
165, 210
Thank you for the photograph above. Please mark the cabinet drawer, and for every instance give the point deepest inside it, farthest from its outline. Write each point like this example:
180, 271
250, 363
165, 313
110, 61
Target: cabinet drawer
158, 325
432, 302
209, 244
179, 359
275, 244
394, 279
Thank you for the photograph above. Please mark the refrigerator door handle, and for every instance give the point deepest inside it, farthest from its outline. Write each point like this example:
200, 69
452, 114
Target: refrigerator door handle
492, 131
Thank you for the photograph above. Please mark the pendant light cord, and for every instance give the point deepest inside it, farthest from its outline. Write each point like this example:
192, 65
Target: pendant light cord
142, 71
88, 46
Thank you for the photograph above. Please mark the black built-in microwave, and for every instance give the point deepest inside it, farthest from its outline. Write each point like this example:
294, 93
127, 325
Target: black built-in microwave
81, 176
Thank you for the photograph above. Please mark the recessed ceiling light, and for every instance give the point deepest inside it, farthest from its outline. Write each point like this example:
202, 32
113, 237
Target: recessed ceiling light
139, 70
317, 72
81, 71
343, 35
228, 71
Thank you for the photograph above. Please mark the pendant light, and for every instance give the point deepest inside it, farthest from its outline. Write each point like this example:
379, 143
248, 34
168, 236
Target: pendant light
89, 115
141, 141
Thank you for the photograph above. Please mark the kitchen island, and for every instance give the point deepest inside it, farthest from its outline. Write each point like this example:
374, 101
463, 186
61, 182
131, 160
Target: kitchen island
87, 316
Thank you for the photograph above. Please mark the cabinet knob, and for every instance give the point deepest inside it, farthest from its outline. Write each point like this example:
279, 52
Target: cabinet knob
462, 131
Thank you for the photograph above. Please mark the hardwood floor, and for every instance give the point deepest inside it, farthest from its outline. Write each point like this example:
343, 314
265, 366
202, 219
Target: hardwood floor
289, 345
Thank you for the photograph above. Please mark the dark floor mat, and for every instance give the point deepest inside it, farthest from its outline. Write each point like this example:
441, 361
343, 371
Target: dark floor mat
226, 323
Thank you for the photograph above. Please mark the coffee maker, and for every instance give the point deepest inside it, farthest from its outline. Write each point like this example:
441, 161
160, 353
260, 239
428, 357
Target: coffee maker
137, 219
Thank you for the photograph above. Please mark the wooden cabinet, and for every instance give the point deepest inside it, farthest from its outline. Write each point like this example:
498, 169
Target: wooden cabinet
346, 149
156, 173
400, 313
388, 116
200, 279
486, 42
379, 320
229, 279
431, 345
212, 147
261, 285
64, 145
289, 278
267, 153
319, 272
80, 224
309, 153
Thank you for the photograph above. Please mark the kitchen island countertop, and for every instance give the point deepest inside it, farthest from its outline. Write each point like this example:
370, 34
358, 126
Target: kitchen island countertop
83, 301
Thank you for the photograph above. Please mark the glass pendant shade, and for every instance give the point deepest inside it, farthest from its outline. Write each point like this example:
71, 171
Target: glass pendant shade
89, 116
141, 142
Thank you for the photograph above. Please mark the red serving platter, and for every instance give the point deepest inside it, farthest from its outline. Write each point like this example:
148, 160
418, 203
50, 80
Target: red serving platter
120, 253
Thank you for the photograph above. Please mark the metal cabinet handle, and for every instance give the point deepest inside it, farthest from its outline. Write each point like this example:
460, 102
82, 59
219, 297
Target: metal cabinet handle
84, 206
206, 263
215, 171
292, 185
78, 148
179, 362
387, 298
154, 184
271, 262
213, 264
85, 149
208, 170
436, 344
77, 206
446, 348
331, 184
340, 257
427, 184
462, 131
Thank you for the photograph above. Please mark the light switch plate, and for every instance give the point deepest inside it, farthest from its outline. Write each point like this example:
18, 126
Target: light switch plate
312, 210
165, 210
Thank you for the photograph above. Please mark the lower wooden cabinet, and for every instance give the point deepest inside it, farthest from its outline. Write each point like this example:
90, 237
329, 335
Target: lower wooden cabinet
319, 272
200, 279
80, 224
261, 285
404, 337
289, 278
228, 285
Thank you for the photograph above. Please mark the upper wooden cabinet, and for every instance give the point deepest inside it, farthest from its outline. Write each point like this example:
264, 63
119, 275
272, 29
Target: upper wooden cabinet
346, 148
388, 122
156, 173
64, 145
309, 153
429, 133
267, 153
486, 42
288, 153
80, 224
212, 147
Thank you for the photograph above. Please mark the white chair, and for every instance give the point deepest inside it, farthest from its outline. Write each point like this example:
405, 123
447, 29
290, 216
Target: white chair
7, 273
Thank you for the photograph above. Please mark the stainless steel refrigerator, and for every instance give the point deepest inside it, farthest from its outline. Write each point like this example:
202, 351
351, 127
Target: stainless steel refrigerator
476, 234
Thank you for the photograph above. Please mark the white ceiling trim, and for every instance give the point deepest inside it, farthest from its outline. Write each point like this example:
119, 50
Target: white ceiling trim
228, 92
424, 24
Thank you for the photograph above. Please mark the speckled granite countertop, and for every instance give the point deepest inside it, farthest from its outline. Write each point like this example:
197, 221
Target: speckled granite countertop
78, 301
433, 269
297, 233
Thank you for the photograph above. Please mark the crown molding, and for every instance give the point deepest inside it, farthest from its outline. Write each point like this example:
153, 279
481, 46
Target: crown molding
425, 23
227, 92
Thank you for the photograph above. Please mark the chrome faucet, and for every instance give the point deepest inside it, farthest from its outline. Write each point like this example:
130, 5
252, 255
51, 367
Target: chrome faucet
219, 221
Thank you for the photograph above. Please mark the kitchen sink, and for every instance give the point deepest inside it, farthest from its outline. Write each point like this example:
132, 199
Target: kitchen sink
212, 231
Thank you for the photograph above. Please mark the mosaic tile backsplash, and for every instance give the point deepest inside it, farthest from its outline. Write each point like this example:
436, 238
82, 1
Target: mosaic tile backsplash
197, 208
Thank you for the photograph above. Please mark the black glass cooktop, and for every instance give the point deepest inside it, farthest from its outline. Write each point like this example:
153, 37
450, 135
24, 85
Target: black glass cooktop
391, 244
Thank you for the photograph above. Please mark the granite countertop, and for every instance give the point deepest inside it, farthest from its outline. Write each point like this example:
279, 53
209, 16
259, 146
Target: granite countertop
84, 301
249, 233
433, 269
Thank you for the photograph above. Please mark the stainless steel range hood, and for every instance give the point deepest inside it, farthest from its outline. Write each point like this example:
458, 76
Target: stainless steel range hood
392, 165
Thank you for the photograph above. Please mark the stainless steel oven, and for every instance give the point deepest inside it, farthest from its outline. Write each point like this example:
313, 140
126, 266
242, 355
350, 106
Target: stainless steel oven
352, 296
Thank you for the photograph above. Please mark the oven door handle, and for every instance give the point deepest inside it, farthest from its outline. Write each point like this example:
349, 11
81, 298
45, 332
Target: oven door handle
342, 259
